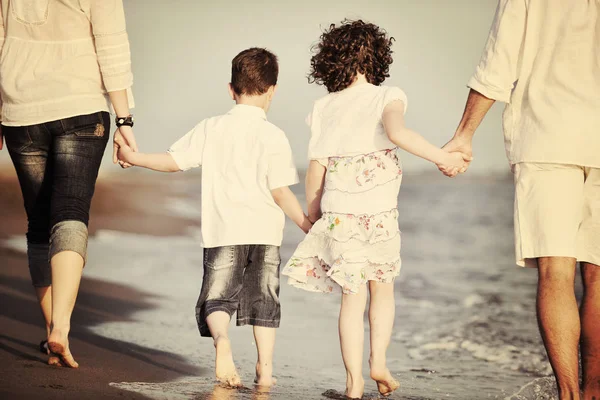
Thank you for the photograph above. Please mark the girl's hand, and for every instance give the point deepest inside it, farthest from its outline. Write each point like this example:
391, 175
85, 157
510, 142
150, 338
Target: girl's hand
454, 163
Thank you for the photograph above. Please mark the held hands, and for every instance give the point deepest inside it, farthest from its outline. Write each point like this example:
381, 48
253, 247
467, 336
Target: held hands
123, 138
454, 163
460, 147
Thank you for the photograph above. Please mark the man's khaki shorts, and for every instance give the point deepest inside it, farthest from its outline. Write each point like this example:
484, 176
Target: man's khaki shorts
557, 212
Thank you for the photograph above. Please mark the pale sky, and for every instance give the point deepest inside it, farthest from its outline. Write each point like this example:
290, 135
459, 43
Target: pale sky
182, 51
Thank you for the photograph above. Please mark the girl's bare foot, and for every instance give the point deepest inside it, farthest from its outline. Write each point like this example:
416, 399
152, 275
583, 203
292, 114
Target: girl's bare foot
224, 367
58, 345
386, 383
355, 388
264, 375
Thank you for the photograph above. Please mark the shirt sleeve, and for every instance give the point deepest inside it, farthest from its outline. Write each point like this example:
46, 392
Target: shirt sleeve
112, 43
498, 71
281, 170
394, 93
187, 151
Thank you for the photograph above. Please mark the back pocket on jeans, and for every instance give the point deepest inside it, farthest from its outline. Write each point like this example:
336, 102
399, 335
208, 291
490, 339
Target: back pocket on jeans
30, 12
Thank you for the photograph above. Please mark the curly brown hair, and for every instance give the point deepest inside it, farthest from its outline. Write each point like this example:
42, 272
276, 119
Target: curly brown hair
351, 47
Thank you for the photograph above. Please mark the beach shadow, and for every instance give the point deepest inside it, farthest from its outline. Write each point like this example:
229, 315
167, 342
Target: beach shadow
104, 360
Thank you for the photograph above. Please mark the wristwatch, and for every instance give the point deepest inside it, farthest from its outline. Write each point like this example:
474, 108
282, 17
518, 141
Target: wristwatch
124, 121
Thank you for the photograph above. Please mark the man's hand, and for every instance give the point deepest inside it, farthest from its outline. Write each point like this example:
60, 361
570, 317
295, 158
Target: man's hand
462, 145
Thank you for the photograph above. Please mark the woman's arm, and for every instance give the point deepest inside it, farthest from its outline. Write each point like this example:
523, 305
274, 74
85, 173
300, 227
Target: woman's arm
411, 141
120, 103
315, 179
288, 202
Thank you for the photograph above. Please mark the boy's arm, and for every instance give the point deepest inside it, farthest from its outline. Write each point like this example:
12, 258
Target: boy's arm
411, 141
288, 202
315, 178
162, 162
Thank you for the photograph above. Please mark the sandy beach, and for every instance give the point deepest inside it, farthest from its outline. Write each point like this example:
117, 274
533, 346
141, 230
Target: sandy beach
465, 325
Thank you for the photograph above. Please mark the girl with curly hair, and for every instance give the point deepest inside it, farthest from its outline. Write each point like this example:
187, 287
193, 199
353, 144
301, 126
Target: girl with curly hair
352, 189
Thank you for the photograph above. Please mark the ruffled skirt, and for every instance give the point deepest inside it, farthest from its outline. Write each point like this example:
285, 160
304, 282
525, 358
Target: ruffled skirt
344, 251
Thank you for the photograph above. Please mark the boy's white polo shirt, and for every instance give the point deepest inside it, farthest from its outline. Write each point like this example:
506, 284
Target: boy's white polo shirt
243, 158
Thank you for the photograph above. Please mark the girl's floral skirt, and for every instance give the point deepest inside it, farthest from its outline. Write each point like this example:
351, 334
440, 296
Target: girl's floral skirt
344, 251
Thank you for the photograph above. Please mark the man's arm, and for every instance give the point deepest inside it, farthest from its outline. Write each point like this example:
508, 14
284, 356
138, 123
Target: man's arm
496, 74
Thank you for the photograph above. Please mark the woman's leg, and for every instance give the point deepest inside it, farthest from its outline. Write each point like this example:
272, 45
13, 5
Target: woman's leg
381, 320
78, 147
352, 337
28, 148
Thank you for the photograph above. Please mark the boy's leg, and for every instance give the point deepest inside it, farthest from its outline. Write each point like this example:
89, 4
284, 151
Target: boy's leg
352, 337
259, 306
590, 324
382, 310
221, 286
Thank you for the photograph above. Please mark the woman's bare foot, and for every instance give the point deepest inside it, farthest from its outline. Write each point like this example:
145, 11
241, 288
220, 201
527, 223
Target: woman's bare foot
54, 361
386, 383
224, 367
264, 375
58, 345
355, 388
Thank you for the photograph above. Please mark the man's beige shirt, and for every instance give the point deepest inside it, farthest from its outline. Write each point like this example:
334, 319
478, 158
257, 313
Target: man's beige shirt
542, 57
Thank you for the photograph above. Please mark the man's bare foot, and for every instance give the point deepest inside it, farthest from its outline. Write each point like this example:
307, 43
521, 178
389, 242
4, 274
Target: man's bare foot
264, 375
355, 388
224, 367
386, 383
58, 346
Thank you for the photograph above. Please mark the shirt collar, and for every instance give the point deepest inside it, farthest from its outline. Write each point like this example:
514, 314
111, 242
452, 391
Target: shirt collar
246, 110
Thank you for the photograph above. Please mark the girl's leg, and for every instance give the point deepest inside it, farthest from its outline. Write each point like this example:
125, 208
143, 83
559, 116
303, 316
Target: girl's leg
381, 319
352, 336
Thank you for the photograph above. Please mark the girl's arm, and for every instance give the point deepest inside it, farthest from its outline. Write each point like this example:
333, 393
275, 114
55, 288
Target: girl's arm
288, 202
162, 162
411, 141
315, 178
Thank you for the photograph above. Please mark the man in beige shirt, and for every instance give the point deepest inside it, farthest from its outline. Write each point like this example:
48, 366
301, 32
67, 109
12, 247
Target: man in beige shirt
542, 58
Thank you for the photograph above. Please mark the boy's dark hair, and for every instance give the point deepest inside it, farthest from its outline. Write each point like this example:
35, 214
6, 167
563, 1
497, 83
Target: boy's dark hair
254, 71
354, 46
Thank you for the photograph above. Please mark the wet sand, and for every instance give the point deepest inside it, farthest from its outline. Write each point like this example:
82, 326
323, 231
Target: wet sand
465, 325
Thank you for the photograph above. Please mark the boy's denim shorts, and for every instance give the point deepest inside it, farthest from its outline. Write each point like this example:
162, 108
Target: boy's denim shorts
242, 278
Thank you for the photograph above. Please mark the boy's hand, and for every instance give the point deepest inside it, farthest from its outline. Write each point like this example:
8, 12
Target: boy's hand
455, 163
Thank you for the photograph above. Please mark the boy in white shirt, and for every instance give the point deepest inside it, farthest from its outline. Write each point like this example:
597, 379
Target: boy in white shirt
247, 167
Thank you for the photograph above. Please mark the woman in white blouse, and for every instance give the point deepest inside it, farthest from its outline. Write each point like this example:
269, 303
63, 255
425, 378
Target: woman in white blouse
64, 63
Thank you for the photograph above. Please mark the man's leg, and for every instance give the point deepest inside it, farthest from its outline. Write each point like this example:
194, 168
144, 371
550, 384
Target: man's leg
559, 323
590, 331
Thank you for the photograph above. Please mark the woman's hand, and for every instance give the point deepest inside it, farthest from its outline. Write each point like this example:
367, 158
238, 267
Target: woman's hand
123, 135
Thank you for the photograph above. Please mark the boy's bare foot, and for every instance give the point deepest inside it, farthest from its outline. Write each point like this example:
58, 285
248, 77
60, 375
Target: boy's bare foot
355, 388
224, 367
386, 383
58, 346
264, 375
